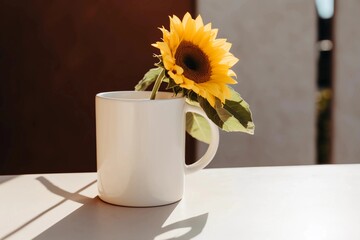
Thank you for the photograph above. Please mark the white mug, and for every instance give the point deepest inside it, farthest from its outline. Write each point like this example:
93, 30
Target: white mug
141, 147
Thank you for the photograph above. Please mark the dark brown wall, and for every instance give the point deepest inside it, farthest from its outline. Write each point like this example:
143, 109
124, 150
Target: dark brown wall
54, 57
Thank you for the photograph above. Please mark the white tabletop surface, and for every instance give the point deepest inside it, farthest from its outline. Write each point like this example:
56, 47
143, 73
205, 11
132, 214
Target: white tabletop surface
301, 202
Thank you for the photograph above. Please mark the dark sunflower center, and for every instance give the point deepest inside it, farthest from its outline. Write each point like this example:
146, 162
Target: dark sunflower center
194, 61
191, 63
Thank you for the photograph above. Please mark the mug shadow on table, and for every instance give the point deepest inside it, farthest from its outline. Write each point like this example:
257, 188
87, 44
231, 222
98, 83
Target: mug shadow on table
4, 179
99, 220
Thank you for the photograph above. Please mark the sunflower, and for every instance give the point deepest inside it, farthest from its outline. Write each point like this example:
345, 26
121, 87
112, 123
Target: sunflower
196, 60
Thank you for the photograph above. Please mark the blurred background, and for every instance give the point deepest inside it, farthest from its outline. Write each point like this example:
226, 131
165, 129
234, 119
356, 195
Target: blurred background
299, 71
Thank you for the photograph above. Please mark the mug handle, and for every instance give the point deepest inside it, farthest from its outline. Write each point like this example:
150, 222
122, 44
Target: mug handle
213, 146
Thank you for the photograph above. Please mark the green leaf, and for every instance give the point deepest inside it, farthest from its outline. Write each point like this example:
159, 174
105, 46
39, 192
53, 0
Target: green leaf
171, 84
148, 79
240, 110
192, 102
212, 114
230, 124
192, 96
233, 116
198, 127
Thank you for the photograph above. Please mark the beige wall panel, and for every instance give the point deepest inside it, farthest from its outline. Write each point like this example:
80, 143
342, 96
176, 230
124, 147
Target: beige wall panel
347, 83
275, 41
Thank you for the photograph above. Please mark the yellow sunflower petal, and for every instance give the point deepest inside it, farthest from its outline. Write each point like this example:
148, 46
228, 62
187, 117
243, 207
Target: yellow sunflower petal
188, 84
226, 46
176, 26
214, 33
186, 18
227, 93
207, 27
163, 47
231, 73
211, 99
205, 43
229, 60
169, 62
214, 89
166, 33
198, 36
189, 29
222, 79
219, 42
199, 22
178, 79
178, 70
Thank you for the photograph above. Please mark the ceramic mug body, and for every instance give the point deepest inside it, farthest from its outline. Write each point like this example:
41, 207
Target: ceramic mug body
141, 148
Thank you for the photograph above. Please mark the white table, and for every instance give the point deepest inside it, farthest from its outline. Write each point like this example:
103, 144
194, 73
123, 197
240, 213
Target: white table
302, 202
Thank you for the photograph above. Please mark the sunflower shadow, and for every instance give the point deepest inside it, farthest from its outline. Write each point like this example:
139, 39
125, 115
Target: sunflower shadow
99, 220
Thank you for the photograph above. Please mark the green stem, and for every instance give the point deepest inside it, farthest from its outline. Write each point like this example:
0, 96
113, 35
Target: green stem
157, 84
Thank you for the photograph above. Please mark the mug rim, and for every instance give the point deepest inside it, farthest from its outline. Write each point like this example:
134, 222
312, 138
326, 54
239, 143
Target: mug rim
137, 96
